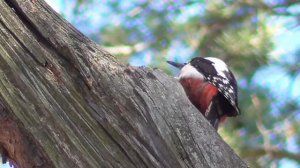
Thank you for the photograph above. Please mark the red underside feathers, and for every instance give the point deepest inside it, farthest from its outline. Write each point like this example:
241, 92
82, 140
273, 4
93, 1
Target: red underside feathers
199, 92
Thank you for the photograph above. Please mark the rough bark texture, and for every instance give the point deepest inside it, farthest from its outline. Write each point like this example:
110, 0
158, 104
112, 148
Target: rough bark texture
65, 102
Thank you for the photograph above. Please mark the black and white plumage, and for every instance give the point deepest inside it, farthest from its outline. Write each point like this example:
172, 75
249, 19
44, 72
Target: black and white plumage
211, 87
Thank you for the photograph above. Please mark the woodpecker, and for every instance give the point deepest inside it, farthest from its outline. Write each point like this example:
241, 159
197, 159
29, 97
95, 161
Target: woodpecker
211, 87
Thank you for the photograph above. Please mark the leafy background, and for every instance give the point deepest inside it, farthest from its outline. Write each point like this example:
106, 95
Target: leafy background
259, 40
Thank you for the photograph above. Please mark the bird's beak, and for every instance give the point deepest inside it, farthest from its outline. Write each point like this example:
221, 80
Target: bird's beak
175, 64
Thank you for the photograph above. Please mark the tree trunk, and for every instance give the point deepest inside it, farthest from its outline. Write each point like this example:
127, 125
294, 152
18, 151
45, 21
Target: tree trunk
65, 102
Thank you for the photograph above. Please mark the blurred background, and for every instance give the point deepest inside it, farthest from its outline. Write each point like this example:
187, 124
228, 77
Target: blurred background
259, 40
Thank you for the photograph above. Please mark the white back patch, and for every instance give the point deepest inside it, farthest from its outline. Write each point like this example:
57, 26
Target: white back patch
219, 65
188, 71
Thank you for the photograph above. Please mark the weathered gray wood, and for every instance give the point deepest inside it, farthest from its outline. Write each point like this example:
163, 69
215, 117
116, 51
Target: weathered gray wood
78, 107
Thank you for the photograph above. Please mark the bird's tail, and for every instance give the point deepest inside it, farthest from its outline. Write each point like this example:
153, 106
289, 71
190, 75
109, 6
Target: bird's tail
212, 115
215, 114
5, 159
3, 155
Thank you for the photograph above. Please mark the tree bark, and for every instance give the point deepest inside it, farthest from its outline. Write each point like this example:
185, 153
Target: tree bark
65, 102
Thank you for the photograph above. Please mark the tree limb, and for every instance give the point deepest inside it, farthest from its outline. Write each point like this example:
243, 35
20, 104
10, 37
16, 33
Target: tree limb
77, 107
272, 152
